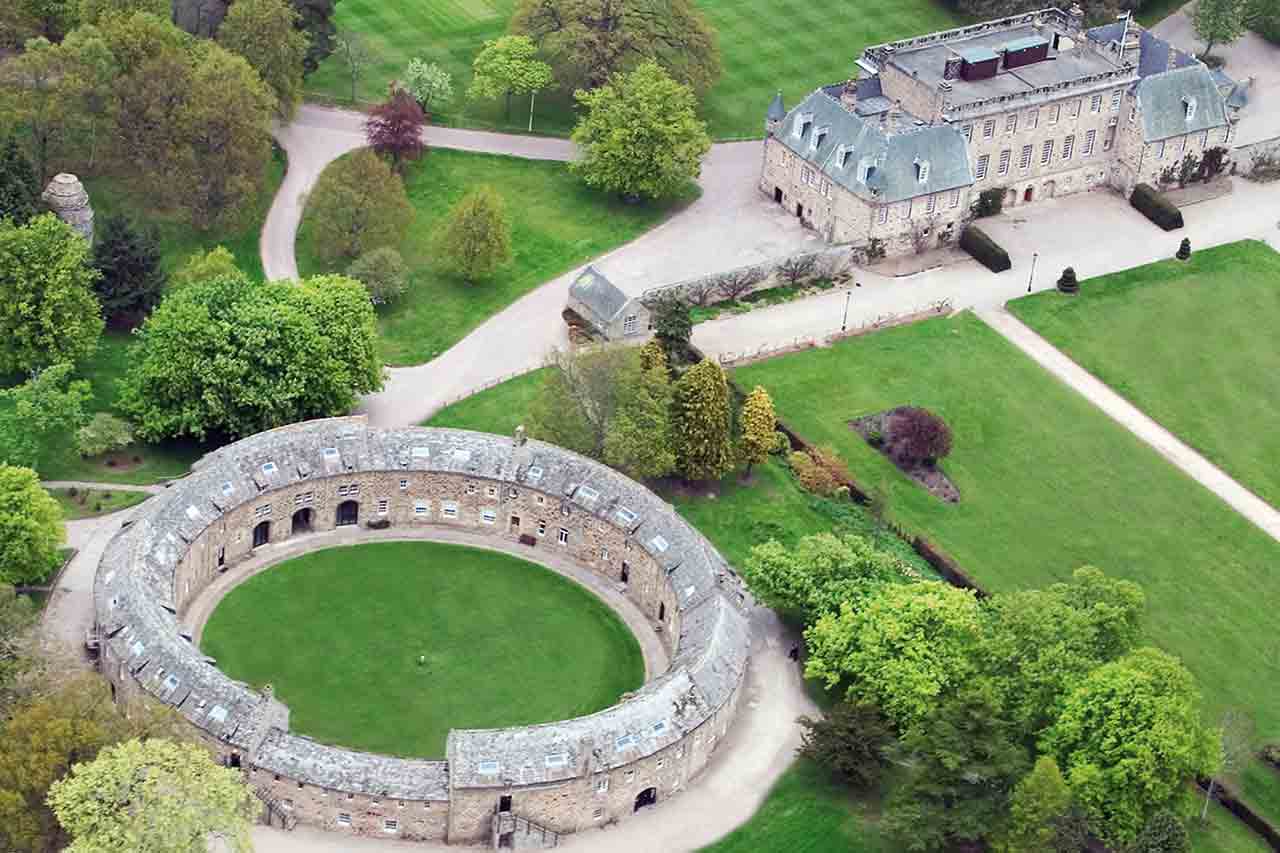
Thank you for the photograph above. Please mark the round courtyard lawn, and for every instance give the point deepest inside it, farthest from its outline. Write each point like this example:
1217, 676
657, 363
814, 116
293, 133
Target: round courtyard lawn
338, 633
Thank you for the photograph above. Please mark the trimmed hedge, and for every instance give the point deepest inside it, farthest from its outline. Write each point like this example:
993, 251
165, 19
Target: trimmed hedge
987, 251
1156, 207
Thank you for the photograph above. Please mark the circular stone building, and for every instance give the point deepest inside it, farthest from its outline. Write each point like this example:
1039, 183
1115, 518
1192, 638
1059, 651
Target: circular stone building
519, 786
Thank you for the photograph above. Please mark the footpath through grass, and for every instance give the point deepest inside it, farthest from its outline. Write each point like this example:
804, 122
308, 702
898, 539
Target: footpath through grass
507, 643
1192, 344
557, 223
766, 46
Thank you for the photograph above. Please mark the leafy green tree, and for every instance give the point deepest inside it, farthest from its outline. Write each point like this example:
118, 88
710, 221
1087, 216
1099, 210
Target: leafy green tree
640, 136
34, 101
904, 649
355, 54
653, 355
1037, 645
1218, 22
102, 434
1130, 738
159, 795
131, 280
1235, 739
383, 272
1164, 833
672, 327
428, 83
49, 313
964, 759
703, 423
265, 33
759, 427
315, 19
19, 187
1040, 800
91, 75
39, 417
819, 573
851, 740
95, 11
357, 205
591, 40
203, 265
229, 357
30, 527
51, 19
18, 619
476, 237
1264, 19
508, 66
639, 442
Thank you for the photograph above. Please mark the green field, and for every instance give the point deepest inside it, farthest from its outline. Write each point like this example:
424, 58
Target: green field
766, 45
507, 643
557, 223
1192, 344
88, 503
499, 409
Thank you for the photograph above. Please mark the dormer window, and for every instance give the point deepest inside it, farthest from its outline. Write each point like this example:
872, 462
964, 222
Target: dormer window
865, 170
803, 123
1189, 107
819, 135
922, 171
842, 156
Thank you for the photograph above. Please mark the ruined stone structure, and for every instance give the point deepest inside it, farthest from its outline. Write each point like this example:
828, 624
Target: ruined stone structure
523, 785
1033, 105
67, 198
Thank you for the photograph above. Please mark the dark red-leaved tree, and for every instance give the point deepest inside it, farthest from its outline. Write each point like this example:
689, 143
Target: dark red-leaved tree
395, 128
916, 435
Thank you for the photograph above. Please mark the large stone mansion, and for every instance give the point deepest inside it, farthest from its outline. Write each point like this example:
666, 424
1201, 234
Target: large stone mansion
1035, 104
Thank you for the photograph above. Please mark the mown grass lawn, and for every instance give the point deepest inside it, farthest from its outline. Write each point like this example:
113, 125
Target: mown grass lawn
1190, 343
499, 409
507, 643
557, 223
88, 503
1049, 483
765, 45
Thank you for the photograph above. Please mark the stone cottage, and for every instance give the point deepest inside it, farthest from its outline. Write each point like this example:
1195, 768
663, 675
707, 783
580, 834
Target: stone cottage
603, 309
1034, 105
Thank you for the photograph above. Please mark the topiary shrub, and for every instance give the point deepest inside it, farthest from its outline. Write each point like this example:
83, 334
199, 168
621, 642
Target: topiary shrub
383, 273
1068, 283
1155, 207
989, 203
1184, 249
915, 435
985, 250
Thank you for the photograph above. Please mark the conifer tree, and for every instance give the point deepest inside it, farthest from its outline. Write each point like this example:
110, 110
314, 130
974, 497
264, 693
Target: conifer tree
132, 280
19, 189
758, 427
704, 446
476, 240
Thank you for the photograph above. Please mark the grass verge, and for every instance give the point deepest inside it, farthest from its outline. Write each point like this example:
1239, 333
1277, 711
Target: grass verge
89, 503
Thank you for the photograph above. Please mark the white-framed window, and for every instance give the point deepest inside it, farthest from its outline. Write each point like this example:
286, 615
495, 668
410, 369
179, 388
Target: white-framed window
1011, 123
883, 215
984, 162
1182, 145
1055, 112
1160, 150
662, 762
1090, 137
563, 536
629, 324
421, 507
1005, 157
631, 776
391, 825
344, 819
1133, 114
540, 499
1024, 162
604, 554
967, 132
1075, 107
1033, 118
488, 516
955, 198
542, 528
1046, 153
1204, 139
404, 484
602, 784
930, 204
826, 188
262, 511
598, 814
449, 509
304, 498
1115, 100
491, 491
906, 209
384, 506
680, 752
922, 171
806, 175
1068, 146
1095, 103
471, 488
1189, 107
988, 128
351, 490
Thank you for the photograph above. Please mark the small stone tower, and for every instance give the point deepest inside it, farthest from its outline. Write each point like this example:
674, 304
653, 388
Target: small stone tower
773, 118
67, 198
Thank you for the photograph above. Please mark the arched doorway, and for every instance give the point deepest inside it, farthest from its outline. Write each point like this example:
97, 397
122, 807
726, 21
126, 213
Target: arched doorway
348, 513
647, 797
261, 533
1050, 187
303, 521
1029, 194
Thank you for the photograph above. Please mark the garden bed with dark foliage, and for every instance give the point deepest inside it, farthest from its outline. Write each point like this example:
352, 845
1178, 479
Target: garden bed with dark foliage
877, 430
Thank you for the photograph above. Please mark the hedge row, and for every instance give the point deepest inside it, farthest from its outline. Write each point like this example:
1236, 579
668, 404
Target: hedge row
987, 251
1156, 207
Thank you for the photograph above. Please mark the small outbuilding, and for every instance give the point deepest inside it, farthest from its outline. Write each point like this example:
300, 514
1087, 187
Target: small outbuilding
599, 307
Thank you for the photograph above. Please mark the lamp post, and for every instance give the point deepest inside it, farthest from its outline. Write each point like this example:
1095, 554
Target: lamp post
844, 323
1035, 256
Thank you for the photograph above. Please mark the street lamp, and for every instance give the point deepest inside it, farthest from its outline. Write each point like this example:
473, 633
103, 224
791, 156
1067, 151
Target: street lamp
844, 323
1035, 256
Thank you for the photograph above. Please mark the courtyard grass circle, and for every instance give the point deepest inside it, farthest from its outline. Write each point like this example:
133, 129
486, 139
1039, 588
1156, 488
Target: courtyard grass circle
339, 634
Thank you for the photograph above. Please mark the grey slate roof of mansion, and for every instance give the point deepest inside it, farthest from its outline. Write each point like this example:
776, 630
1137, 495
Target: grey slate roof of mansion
134, 594
836, 141
1185, 100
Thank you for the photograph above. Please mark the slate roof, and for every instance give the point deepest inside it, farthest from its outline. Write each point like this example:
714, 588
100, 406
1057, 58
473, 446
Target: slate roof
776, 108
601, 297
134, 605
1162, 103
894, 147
